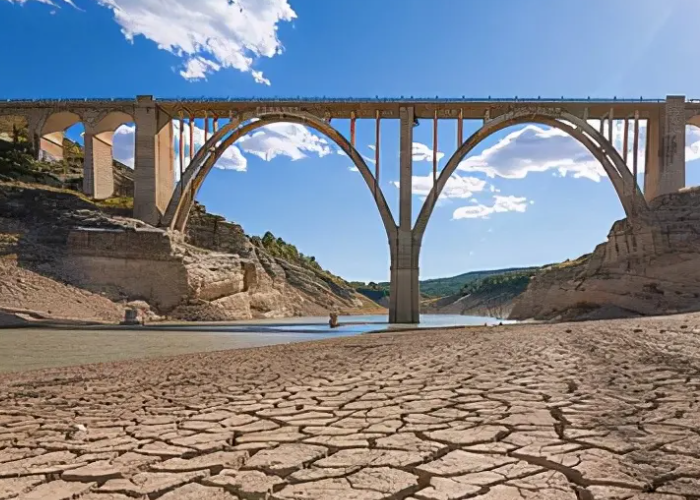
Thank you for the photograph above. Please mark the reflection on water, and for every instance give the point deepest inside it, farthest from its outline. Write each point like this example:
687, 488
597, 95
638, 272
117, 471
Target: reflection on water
33, 348
349, 325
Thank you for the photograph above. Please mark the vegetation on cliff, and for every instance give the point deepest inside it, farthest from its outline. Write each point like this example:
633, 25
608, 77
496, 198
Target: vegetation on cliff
279, 248
510, 283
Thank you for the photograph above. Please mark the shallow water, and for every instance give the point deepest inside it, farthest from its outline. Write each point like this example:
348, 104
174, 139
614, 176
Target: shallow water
33, 348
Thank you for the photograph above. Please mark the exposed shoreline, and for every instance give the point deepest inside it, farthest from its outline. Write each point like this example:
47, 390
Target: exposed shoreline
599, 409
47, 346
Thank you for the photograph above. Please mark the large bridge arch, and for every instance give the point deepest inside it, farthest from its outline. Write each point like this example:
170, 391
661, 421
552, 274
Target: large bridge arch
175, 216
626, 187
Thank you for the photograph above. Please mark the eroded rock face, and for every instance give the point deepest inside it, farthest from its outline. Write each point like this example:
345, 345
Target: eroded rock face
648, 266
214, 272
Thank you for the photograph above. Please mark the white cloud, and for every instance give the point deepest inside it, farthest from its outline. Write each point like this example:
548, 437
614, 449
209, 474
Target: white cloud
501, 204
123, 145
207, 35
456, 186
353, 169
47, 2
284, 139
232, 159
421, 152
535, 149
259, 78
692, 143
197, 67
279, 139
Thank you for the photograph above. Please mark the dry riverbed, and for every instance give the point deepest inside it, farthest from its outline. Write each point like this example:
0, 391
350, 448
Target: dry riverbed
597, 410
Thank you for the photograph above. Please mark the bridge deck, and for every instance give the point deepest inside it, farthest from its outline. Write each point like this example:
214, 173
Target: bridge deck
468, 108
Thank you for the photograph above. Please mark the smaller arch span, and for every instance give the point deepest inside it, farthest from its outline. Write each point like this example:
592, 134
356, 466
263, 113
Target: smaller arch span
52, 132
626, 187
177, 213
99, 180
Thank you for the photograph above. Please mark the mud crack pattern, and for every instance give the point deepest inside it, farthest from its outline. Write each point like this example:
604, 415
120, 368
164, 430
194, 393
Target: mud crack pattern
589, 411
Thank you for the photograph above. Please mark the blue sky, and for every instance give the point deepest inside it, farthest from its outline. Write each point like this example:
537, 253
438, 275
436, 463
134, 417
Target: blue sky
532, 197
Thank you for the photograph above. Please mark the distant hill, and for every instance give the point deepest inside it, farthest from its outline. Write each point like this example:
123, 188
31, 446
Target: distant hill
438, 287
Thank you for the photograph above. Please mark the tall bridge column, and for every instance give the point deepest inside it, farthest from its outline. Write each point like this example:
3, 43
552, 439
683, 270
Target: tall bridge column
665, 166
98, 174
154, 172
404, 305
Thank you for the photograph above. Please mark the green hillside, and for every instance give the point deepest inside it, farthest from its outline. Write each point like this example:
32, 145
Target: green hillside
439, 287
510, 282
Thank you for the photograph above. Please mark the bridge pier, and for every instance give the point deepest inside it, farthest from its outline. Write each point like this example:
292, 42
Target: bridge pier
404, 289
665, 156
98, 172
154, 173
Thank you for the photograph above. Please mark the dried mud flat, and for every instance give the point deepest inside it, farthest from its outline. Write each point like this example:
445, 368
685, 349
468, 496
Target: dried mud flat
598, 410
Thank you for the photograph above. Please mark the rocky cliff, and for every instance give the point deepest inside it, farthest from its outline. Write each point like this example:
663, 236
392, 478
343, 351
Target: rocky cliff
214, 272
650, 265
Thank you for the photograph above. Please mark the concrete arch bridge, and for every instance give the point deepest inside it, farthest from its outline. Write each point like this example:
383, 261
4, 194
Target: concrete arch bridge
159, 200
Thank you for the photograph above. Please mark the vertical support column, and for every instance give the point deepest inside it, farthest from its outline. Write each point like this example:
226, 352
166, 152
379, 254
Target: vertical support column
352, 128
610, 128
404, 305
35, 119
98, 170
625, 139
652, 155
435, 147
206, 126
668, 175
181, 150
376, 155
191, 126
216, 124
635, 154
155, 164
460, 128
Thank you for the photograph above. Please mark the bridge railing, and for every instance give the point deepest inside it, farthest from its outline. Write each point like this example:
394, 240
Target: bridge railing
341, 100
405, 99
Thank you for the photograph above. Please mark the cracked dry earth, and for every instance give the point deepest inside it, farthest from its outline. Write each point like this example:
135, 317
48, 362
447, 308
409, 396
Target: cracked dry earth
600, 410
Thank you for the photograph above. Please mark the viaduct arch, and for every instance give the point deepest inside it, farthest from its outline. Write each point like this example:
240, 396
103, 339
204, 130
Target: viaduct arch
626, 186
158, 201
178, 209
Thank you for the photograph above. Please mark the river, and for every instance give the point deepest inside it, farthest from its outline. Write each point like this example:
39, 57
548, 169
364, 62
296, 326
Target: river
35, 348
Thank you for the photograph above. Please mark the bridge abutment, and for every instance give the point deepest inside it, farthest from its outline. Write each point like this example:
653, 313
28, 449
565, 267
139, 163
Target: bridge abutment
154, 174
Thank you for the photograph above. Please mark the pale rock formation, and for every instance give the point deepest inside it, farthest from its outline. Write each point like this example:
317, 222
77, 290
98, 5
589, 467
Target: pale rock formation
648, 266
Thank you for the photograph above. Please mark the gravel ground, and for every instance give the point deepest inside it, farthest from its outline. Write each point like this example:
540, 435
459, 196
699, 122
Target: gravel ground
596, 410
24, 289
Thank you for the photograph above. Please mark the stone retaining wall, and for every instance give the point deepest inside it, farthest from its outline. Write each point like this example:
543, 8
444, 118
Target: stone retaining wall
138, 264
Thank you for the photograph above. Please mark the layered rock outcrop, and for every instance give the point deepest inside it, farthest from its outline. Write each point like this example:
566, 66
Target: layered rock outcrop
650, 265
214, 272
